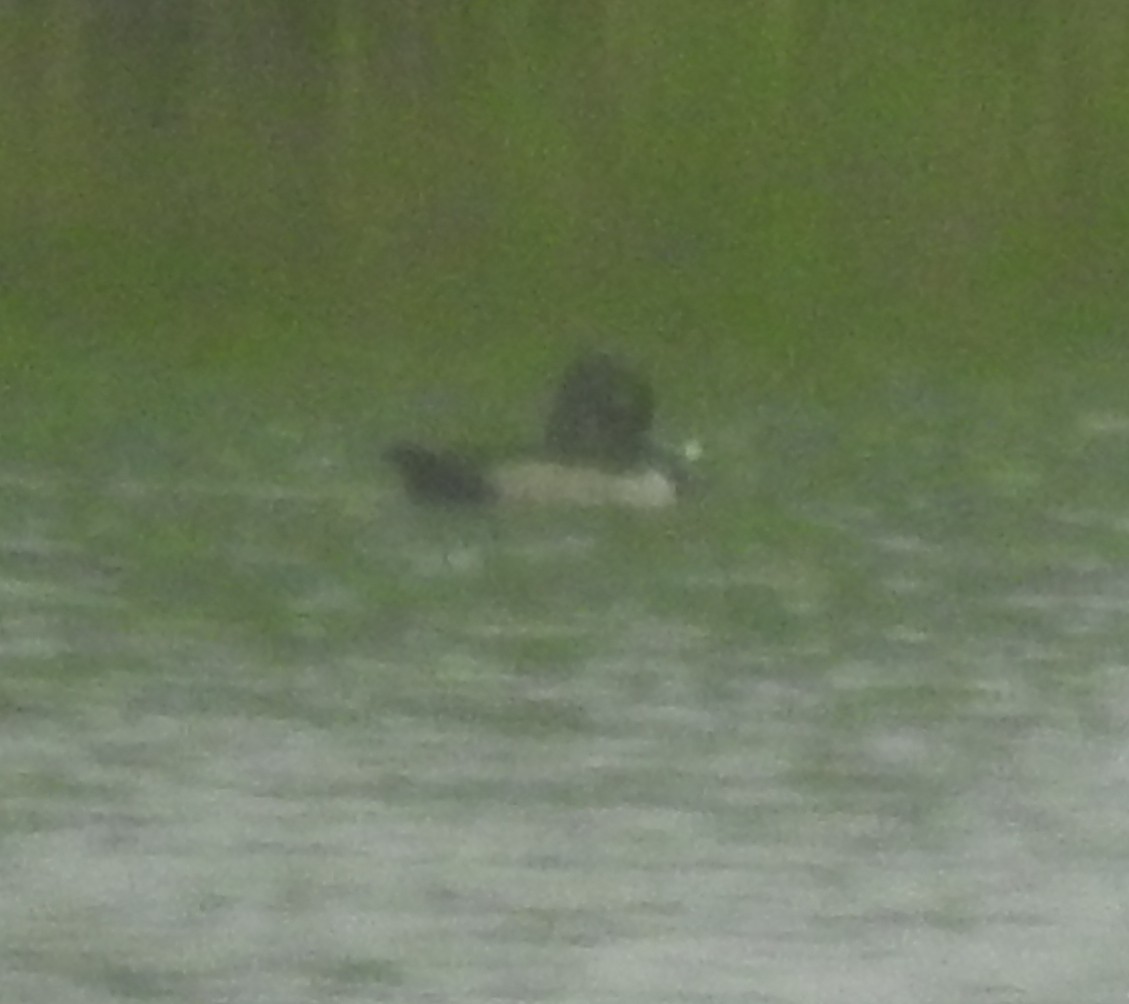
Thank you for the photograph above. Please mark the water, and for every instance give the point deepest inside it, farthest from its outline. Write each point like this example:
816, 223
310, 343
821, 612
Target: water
850, 726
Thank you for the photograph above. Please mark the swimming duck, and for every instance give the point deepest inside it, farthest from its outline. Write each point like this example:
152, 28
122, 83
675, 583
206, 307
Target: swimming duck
596, 450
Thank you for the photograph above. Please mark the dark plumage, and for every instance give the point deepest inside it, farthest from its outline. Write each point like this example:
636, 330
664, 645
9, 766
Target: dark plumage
596, 450
602, 413
439, 475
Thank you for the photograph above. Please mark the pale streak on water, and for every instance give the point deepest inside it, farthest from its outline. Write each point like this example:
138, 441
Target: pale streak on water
426, 759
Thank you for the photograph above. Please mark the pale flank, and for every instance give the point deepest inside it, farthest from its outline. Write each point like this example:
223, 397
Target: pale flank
544, 481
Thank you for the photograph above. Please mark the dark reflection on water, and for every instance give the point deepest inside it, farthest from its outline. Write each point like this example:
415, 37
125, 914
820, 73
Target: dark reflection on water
849, 726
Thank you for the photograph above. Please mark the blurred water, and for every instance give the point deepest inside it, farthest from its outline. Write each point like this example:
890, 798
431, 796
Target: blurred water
850, 726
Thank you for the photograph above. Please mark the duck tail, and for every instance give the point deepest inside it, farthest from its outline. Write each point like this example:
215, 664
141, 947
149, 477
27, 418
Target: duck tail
439, 476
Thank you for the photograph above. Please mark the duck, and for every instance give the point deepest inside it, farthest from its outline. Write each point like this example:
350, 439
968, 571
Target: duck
596, 450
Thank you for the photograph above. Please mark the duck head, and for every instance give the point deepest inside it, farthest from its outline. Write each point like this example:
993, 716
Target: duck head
601, 414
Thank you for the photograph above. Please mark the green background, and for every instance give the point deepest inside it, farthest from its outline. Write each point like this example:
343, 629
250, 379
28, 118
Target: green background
796, 187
